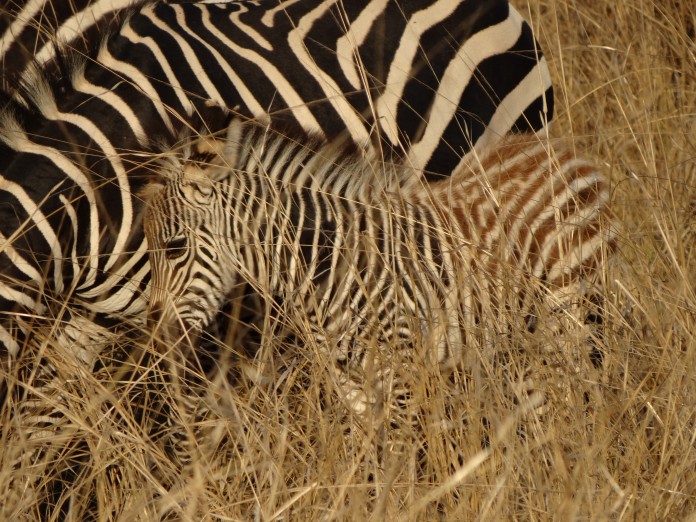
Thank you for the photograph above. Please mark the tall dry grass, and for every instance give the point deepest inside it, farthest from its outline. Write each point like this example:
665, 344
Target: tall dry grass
625, 77
616, 442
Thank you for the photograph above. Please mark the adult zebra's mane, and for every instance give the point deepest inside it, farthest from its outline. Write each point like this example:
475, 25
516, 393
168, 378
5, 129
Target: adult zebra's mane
28, 89
60, 31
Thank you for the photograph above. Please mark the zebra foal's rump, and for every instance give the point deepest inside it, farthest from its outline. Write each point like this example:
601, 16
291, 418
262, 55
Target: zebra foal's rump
363, 260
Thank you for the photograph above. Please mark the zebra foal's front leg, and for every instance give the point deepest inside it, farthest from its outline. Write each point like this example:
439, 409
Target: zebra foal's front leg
194, 377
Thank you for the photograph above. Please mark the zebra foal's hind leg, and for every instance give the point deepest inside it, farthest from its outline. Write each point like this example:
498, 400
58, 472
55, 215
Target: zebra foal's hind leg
562, 362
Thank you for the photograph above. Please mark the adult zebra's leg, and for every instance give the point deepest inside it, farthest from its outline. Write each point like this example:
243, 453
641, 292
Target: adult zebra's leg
48, 413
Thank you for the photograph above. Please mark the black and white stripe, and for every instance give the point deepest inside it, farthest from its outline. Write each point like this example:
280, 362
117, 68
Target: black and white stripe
361, 258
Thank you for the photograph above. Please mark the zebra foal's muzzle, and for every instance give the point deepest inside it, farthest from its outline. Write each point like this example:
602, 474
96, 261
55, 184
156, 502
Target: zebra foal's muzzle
169, 330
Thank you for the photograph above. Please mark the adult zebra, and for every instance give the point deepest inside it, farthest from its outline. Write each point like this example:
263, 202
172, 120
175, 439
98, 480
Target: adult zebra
419, 81
383, 274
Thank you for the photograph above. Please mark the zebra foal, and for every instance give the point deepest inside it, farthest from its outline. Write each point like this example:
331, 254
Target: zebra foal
364, 261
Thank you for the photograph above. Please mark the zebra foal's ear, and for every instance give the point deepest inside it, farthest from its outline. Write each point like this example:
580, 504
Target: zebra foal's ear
153, 186
157, 172
233, 142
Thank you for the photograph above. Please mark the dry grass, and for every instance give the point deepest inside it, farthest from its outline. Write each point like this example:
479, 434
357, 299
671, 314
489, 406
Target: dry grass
618, 443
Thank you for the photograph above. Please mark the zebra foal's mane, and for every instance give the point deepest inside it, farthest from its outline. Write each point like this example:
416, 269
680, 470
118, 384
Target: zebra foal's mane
215, 156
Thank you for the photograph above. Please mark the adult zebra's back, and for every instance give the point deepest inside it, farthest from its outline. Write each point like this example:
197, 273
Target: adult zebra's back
421, 81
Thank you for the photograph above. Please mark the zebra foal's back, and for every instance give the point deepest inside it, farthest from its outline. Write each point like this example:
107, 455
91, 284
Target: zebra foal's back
532, 204
360, 254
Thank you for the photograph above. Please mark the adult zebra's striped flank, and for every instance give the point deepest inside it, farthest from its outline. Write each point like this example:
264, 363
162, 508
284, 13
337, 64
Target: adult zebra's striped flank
423, 81
34, 32
357, 253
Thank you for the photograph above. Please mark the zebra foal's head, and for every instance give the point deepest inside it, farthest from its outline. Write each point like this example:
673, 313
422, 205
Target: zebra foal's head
186, 226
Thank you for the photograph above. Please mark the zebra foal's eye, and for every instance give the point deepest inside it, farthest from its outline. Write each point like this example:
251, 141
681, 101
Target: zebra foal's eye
175, 247
204, 159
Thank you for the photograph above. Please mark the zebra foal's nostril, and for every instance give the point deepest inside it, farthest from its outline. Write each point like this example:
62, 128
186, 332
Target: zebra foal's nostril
154, 316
